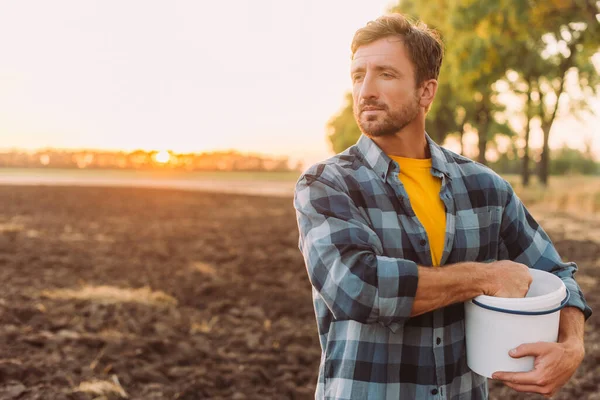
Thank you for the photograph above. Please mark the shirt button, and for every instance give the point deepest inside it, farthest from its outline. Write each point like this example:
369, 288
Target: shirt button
438, 340
434, 391
423, 242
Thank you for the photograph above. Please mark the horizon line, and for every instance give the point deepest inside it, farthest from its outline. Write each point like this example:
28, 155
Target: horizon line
146, 150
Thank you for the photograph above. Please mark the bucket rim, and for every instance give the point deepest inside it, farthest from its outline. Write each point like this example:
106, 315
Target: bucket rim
519, 312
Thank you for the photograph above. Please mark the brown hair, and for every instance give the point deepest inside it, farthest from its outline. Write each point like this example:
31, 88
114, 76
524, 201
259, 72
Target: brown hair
424, 45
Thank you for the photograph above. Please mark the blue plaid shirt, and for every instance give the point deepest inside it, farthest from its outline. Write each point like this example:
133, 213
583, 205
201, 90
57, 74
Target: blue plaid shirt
362, 242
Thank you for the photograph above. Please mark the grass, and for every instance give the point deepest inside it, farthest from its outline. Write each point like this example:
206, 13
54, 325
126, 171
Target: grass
103, 388
570, 193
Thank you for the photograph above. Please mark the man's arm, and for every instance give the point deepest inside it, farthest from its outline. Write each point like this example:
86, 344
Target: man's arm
528, 243
457, 283
555, 363
571, 328
345, 263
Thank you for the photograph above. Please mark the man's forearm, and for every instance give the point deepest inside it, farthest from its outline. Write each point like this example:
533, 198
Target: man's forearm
571, 327
456, 283
440, 287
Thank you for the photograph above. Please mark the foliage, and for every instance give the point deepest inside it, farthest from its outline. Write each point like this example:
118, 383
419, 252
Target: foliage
571, 161
343, 130
529, 46
564, 161
559, 38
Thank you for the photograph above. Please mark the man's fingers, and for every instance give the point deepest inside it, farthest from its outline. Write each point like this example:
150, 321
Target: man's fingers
531, 349
519, 378
530, 389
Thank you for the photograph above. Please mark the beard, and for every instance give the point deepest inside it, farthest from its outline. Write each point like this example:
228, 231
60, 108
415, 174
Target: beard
386, 122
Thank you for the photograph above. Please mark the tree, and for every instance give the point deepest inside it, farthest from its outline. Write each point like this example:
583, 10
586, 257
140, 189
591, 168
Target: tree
529, 110
543, 41
343, 130
567, 160
560, 38
573, 27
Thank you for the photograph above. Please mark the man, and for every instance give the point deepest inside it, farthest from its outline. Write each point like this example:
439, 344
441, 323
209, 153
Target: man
397, 232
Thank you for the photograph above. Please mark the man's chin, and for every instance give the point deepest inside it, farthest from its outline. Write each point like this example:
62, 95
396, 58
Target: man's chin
375, 130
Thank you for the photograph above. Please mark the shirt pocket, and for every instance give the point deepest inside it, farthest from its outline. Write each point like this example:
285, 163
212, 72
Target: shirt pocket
477, 234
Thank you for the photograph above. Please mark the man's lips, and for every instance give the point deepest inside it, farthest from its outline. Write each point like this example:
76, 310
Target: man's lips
371, 108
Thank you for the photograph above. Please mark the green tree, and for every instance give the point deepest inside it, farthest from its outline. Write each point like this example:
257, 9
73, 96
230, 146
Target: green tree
342, 128
572, 161
542, 40
560, 39
573, 28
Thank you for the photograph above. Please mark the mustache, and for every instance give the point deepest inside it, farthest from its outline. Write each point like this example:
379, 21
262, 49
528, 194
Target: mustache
371, 104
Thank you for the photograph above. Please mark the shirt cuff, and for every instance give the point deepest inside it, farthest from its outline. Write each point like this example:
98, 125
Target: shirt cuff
397, 287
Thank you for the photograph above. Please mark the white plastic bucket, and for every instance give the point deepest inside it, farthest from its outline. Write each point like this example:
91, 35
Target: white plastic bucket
495, 325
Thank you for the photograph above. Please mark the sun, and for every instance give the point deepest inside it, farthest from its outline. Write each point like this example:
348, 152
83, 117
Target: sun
162, 157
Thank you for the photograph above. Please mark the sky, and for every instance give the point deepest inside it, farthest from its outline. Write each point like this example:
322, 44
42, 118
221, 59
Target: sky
260, 76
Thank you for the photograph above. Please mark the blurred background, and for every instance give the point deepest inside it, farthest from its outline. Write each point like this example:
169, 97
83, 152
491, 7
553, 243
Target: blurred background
148, 156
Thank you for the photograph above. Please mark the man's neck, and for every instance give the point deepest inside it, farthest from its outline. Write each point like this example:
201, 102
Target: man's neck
410, 142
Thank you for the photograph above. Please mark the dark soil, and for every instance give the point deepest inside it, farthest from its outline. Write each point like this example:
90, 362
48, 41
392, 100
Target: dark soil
243, 326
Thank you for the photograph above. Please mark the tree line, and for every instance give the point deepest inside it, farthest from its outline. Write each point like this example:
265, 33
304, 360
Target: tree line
141, 159
536, 54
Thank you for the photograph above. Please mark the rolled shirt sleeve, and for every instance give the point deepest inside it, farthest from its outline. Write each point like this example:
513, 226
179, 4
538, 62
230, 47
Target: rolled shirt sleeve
527, 243
343, 257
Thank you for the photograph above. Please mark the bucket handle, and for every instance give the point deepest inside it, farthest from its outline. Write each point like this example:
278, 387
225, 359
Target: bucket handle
562, 304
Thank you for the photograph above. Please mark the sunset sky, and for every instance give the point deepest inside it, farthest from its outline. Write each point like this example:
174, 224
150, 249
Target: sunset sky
189, 76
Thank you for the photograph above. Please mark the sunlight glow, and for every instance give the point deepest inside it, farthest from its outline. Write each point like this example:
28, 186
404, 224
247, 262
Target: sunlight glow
162, 157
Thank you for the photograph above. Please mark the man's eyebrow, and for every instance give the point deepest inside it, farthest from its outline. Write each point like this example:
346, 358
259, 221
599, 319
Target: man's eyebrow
383, 67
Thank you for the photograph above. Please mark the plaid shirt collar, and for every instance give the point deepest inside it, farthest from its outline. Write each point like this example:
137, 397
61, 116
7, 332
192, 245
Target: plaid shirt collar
382, 164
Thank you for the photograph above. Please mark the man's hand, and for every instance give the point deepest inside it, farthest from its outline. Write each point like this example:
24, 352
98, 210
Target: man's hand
555, 363
508, 279
457, 283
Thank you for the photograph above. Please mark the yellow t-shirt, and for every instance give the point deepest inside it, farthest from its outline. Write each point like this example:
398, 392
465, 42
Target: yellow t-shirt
424, 194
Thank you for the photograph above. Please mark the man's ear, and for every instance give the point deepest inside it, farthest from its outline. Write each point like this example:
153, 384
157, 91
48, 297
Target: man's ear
429, 89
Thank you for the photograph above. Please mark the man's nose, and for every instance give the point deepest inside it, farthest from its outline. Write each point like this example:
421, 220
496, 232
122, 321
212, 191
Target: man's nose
368, 89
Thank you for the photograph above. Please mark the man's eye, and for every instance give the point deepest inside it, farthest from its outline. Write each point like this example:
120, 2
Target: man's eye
386, 75
357, 77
